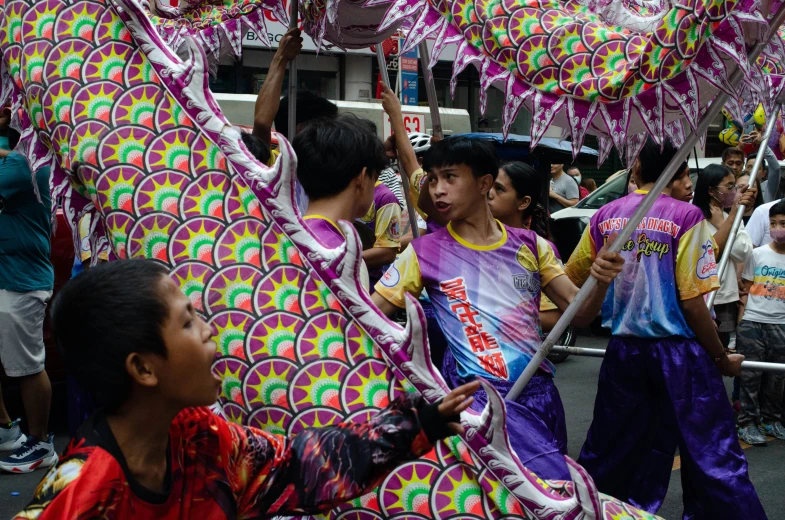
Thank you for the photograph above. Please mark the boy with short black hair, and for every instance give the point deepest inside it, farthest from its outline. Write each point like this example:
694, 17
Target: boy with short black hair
338, 164
484, 280
660, 386
155, 450
761, 335
733, 159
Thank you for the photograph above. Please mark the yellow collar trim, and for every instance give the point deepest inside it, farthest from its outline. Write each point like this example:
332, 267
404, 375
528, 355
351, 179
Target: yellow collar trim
475, 247
644, 192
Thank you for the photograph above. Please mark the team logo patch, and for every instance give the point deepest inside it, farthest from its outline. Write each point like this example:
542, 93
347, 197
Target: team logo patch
527, 259
707, 265
391, 277
526, 282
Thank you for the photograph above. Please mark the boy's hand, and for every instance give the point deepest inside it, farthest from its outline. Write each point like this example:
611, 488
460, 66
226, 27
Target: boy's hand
607, 265
389, 148
747, 197
391, 104
730, 364
455, 402
291, 45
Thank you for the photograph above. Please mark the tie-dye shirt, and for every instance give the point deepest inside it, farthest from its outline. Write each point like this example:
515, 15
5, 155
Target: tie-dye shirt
766, 299
384, 217
669, 258
486, 298
222, 470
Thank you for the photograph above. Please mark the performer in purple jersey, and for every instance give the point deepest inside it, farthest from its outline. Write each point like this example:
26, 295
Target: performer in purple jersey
484, 280
384, 220
660, 385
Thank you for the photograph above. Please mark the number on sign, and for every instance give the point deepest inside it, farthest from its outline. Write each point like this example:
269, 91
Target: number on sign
412, 124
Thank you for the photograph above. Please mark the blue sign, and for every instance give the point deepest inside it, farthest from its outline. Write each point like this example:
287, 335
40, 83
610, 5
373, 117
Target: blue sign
409, 92
408, 64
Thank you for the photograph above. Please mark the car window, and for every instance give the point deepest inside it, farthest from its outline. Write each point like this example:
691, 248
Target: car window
608, 192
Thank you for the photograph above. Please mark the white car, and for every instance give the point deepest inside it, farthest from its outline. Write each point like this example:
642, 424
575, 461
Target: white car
568, 224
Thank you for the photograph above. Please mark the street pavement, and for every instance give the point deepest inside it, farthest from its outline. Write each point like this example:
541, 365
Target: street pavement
576, 379
577, 382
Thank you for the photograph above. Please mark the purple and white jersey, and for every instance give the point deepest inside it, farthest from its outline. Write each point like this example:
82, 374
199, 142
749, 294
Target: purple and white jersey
486, 297
669, 258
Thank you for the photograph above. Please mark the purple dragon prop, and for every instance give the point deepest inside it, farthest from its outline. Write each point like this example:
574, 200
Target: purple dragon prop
114, 95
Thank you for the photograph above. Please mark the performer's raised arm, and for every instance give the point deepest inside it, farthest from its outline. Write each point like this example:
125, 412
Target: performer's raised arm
269, 98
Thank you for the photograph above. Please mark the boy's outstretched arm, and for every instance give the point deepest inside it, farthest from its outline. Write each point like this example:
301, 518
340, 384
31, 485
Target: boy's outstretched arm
697, 315
695, 277
379, 256
408, 159
402, 277
602, 265
269, 98
320, 468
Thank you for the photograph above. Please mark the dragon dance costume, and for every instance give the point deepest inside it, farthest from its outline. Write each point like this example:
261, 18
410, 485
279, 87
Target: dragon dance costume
491, 333
658, 388
120, 88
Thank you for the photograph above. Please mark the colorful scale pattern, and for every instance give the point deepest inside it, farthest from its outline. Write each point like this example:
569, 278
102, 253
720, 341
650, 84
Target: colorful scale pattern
564, 48
289, 355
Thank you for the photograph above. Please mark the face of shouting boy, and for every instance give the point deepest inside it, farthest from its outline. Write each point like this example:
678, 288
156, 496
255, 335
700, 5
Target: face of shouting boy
185, 375
456, 192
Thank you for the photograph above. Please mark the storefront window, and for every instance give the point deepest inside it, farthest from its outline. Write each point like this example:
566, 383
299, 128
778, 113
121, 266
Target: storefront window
321, 82
224, 81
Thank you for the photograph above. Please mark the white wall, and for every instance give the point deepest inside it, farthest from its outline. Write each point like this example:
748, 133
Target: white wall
358, 78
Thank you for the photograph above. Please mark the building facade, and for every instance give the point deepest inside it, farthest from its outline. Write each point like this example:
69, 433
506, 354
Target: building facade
352, 76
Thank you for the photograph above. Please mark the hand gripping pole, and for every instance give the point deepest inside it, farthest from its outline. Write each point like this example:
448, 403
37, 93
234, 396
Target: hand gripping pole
404, 177
292, 119
681, 155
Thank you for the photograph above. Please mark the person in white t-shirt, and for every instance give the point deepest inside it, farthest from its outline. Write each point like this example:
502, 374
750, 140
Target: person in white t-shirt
761, 335
758, 226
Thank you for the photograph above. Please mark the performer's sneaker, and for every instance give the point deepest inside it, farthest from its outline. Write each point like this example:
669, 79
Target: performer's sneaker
776, 430
752, 435
11, 436
33, 454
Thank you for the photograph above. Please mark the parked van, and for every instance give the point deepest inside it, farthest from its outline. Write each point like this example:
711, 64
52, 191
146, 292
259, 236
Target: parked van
239, 109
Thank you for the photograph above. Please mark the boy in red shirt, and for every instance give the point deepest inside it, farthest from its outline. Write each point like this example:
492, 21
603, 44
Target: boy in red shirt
154, 449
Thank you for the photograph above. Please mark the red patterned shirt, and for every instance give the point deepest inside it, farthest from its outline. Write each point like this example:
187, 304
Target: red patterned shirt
219, 469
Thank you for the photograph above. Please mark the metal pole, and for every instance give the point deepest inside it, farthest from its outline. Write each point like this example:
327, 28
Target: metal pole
404, 176
382, 65
430, 90
725, 255
681, 154
599, 353
697, 166
293, 16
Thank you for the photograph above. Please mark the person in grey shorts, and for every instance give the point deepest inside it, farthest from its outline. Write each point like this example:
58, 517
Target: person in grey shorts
564, 190
26, 280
